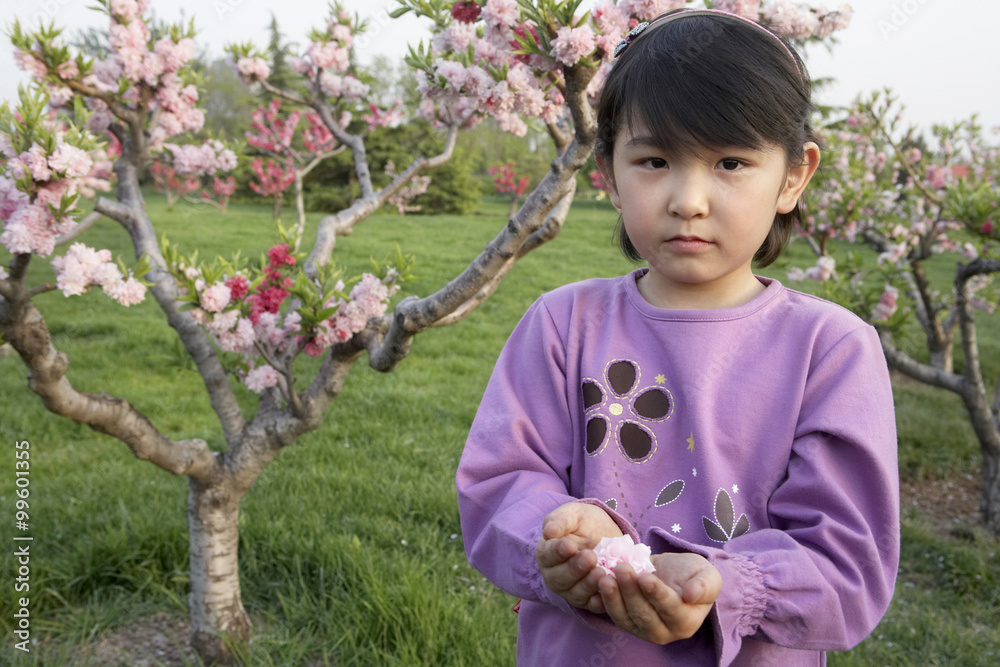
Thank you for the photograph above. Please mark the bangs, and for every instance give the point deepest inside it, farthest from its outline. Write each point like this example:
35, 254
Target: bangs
704, 83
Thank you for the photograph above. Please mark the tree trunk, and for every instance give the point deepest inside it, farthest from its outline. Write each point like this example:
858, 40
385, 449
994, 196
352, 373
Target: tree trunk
278, 196
988, 433
219, 623
990, 503
300, 207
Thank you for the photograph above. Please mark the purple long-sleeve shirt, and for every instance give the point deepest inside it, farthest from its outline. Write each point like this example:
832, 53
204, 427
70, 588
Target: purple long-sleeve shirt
761, 437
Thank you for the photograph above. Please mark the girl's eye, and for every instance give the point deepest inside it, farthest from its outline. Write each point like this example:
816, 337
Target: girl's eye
654, 162
730, 164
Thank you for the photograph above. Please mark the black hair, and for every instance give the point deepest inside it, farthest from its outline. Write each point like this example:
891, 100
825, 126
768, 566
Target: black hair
709, 80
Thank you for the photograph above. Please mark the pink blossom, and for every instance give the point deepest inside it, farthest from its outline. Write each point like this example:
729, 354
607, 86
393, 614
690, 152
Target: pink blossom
82, 267
501, 13
969, 251
52, 193
610, 19
301, 66
127, 10
6, 150
329, 55
465, 12
221, 322
572, 44
215, 298
824, 269
35, 160
68, 70
127, 292
894, 254
175, 55
456, 37
28, 230
454, 73
59, 96
331, 84
745, 8
11, 198
512, 123
647, 10
238, 339
613, 551
253, 68
796, 274
260, 378
151, 69
887, 304
342, 33
354, 89
71, 161
29, 63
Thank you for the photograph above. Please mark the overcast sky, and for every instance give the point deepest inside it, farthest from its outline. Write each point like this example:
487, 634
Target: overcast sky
941, 56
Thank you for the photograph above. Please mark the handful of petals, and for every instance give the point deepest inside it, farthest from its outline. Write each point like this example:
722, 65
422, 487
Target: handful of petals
614, 550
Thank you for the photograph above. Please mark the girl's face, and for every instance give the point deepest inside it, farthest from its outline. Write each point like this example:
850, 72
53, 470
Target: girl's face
698, 220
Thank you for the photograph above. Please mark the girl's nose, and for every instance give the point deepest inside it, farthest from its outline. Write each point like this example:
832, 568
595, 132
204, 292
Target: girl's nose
689, 194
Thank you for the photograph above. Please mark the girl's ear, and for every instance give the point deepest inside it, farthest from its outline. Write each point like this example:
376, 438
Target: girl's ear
798, 178
609, 176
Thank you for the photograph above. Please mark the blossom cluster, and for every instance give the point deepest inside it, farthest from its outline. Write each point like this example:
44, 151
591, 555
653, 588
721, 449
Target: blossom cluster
249, 318
272, 177
401, 198
505, 180
83, 267
517, 70
885, 189
35, 191
612, 551
205, 160
150, 73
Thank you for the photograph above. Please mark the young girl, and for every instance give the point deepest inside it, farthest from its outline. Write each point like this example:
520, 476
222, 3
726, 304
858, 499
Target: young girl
742, 430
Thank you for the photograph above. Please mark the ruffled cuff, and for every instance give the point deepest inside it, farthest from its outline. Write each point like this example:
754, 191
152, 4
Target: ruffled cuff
741, 605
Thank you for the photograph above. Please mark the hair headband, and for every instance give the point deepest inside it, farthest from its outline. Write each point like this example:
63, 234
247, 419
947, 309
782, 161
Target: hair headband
666, 18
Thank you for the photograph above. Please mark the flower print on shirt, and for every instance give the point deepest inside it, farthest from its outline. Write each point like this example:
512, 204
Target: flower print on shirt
726, 526
616, 409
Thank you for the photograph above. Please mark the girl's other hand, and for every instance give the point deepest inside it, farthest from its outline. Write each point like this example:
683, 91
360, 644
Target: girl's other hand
565, 553
664, 606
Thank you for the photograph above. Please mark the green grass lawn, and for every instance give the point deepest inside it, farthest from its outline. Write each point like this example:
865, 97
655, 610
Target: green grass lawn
351, 551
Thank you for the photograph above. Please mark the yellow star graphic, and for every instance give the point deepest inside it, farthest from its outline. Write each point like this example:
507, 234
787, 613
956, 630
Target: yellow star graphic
690, 442
660, 379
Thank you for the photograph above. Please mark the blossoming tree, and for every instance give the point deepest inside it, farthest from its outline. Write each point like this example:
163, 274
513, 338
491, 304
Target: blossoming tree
183, 170
909, 205
505, 181
518, 62
275, 135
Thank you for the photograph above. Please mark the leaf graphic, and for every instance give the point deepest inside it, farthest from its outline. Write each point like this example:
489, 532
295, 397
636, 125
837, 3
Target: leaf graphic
669, 493
612, 503
724, 512
742, 526
713, 531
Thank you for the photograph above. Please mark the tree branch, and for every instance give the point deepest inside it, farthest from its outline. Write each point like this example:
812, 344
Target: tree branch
27, 333
80, 228
902, 362
548, 231
343, 222
130, 212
